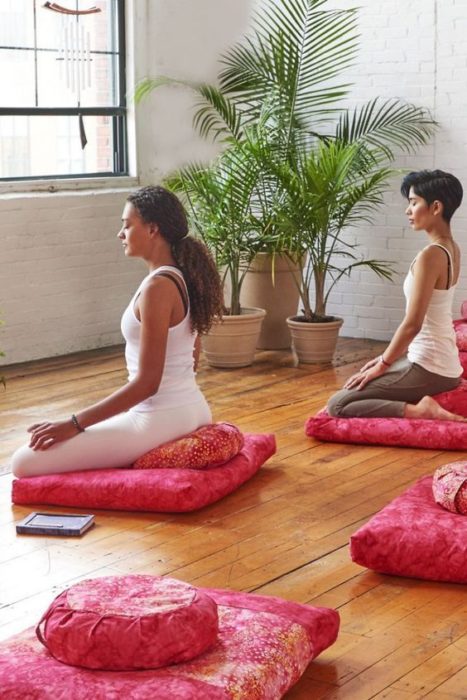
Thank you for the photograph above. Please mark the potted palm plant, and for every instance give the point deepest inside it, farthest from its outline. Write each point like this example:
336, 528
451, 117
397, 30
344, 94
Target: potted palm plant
330, 188
218, 199
277, 99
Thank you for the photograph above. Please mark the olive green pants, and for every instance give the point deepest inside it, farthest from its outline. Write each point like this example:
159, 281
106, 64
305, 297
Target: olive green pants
386, 396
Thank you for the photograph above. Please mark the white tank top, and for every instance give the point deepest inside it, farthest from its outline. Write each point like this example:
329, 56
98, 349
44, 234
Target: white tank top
434, 347
178, 383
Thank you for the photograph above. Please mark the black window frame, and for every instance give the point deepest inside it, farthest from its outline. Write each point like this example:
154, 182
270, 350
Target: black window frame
118, 113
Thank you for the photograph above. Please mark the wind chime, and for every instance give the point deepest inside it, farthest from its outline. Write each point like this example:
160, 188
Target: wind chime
74, 55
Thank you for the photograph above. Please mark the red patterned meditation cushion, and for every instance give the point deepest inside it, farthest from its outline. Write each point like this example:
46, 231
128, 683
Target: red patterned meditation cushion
460, 326
450, 487
209, 446
123, 623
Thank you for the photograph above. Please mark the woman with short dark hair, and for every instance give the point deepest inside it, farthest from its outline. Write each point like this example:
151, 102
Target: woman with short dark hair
422, 358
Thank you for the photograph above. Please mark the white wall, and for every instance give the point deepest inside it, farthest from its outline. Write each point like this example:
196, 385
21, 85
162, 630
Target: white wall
416, 51
64, 281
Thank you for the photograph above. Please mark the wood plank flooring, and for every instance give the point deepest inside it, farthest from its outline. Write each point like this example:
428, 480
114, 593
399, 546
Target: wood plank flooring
284, 533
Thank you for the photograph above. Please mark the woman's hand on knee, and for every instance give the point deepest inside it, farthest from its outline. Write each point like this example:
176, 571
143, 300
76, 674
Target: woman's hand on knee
371, 363
361, 379
44, 435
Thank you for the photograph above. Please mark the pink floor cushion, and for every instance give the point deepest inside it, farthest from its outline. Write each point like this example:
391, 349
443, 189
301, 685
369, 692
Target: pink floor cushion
463, 361
156, 490
123, 623
460, 326
398, 432
264, 646
209, 446
450, 487
414, 536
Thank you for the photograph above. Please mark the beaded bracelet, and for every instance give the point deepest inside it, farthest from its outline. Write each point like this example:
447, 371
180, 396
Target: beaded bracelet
386, 364
75, 422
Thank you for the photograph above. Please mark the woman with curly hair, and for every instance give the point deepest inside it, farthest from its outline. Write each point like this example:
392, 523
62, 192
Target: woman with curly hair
178, 299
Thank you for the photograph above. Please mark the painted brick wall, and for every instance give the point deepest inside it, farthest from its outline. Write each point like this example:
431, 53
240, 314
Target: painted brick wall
64, 279
417, 52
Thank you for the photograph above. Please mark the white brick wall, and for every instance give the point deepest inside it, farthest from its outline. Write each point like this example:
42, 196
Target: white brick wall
64, 278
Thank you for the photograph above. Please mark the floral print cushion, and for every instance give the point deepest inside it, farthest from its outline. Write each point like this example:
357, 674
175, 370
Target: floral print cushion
398, 432
463, 361
413, 536
450, 487
129, 622
209, 446
154, 490
264, 645
460, 327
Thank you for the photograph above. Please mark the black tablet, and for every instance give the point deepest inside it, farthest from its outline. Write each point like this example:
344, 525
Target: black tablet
65, 524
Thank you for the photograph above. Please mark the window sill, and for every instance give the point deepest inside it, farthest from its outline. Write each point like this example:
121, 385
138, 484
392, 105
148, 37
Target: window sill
19, 187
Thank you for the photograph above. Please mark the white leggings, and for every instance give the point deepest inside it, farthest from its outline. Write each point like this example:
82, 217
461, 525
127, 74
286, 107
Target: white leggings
115, 442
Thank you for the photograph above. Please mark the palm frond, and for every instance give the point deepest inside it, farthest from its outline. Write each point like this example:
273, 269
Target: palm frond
387, 125
296, 48
217, 114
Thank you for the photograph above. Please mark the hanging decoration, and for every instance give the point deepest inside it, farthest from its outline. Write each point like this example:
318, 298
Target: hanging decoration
74, 55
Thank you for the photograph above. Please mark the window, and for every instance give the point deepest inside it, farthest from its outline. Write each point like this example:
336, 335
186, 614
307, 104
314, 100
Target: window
62, 89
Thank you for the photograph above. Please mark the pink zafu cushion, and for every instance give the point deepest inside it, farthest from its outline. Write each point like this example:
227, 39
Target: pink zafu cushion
398, 432
209, 446
264, 645
414, 536
463, 361
460, 327
450, 487
156, 490
123, 623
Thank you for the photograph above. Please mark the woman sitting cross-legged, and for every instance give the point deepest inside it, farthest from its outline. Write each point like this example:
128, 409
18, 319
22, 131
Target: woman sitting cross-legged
177, 300
422, 358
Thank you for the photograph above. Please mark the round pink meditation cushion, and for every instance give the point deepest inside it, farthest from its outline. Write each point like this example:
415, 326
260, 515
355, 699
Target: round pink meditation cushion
209, 446
123, 623
450, 487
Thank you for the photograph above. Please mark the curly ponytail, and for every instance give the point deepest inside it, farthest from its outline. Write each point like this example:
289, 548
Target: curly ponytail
159, 206
202, 280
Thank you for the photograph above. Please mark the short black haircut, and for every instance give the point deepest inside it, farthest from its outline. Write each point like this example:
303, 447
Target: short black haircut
435, 185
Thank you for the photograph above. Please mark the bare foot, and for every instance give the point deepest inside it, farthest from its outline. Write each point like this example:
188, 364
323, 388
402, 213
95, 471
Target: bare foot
429, 409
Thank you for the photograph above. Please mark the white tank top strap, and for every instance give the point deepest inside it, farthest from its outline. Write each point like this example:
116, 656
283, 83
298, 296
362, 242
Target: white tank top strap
169, 268
450, 263
177, 278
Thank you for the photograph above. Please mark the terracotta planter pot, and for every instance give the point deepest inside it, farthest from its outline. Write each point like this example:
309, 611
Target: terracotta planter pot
232, 342
277, 293
314, 342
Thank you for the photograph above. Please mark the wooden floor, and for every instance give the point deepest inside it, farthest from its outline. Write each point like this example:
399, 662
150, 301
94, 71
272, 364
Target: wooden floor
284, 533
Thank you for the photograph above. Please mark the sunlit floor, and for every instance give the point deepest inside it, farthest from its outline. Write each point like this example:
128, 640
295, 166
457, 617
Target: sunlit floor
284, 533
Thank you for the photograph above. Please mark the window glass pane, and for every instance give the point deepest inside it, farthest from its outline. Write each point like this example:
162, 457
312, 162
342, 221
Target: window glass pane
16, 78
55, 29
16, 23
87, 81
44, 146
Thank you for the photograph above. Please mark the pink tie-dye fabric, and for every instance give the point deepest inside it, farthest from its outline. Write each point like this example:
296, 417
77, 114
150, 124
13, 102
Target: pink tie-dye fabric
414, 536
121, 623
159, 490
209, 446
264, 645
450, 487
463, 361
460, 327
398, 432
